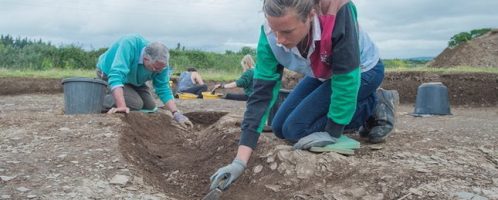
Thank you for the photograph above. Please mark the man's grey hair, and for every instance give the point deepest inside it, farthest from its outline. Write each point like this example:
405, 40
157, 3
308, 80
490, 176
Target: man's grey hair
157, 51
278, 8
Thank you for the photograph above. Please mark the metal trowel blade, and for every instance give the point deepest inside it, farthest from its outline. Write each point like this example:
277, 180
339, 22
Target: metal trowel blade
214, 194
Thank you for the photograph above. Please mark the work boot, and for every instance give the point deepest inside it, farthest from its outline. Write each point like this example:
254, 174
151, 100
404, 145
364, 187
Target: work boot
384, 115
366, 127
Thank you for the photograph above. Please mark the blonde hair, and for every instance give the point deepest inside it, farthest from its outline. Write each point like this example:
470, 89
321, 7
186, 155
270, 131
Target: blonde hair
247, 62
278, 8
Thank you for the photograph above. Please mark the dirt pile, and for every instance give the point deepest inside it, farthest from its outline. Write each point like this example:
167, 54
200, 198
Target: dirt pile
179, 162
479, 52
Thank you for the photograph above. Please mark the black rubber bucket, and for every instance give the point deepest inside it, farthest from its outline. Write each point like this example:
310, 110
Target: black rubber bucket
282, 94
432, 99
83, 95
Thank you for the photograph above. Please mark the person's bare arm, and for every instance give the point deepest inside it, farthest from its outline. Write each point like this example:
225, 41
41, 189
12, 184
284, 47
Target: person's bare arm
171, 105
244, 153
230, 85
118, 95
196, 77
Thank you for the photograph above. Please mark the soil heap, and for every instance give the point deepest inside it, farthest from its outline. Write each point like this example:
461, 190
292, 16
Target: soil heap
479, 52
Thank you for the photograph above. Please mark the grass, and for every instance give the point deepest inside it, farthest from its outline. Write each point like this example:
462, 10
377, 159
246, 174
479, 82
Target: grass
447, 70
223, 76
210, 75
51, 73
217, 75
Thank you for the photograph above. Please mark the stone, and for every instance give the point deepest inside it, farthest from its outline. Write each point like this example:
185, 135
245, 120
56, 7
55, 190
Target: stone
64, 129
22, 189
492, 194
101, 184
5, 196
376, 147
273, 166
132, 188
422, 170
274, 188
66, 189
7, 178
469, 196
358, 192
416, 191
258, 169
119, 180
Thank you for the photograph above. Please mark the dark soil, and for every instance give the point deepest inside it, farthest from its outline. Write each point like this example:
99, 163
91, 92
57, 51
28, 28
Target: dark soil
471, 89
10, 86
177, 161
474, 89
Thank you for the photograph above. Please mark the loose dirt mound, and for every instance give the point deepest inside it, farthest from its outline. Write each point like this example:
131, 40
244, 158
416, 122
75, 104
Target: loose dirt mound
180, 162
482, 52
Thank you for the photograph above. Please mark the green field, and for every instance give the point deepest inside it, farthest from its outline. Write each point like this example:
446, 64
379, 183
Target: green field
210, 74
220, 75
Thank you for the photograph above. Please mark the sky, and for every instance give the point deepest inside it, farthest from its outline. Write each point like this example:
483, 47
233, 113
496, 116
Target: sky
401, 29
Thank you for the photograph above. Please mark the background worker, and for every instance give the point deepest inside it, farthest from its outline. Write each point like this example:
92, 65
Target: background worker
126, 66
245, 81
190, 81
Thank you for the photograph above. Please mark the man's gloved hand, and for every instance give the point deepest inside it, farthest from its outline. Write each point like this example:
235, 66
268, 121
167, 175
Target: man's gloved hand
227, 174
219, 85
316, 139
182, 120
119, 110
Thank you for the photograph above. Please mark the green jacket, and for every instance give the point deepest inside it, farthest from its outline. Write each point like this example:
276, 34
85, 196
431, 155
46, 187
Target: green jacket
123, 64
342, 59
245, 81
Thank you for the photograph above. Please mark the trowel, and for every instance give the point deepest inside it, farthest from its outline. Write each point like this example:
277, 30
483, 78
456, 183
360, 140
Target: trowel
215, 193
213, 91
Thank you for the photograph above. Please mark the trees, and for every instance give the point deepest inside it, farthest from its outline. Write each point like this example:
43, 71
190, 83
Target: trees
466, 36
23, 53
248, 50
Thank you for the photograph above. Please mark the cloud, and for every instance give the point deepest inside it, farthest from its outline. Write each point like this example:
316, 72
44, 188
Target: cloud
422, 28
408, 28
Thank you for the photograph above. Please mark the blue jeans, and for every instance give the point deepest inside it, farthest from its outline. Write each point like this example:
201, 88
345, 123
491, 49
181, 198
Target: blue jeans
304, 111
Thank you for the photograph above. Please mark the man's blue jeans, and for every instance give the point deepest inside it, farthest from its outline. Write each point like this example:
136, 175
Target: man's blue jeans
304, 111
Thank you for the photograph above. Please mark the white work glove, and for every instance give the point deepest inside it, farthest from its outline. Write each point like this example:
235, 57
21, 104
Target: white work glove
227, 174
182, 120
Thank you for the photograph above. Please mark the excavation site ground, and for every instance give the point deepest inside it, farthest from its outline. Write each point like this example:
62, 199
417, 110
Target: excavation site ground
45, 154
